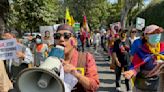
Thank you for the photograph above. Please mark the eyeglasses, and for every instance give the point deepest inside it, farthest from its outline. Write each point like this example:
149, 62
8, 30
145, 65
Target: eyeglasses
66, 36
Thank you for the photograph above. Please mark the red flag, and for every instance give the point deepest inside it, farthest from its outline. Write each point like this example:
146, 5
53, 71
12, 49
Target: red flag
85, 24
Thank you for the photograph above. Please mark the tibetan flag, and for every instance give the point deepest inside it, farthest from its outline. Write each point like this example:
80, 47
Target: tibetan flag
85, 24
67, 17
143, 55
84, 21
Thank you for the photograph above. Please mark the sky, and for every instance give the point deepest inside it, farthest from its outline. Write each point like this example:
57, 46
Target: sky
145, 1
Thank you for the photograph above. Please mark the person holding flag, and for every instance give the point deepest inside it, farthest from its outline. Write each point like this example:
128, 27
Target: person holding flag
87, 31
147, 62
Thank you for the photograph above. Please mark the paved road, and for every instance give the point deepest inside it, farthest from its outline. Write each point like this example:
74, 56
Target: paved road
106, 76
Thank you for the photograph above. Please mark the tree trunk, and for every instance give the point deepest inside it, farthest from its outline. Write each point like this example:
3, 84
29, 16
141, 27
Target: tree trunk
2, 26
129, 4
124, 14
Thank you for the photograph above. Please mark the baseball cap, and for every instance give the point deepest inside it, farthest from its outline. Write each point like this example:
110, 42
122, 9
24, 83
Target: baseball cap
152, 28
65, 27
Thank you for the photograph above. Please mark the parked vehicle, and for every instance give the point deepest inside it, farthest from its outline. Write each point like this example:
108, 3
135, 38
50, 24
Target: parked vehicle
28, 34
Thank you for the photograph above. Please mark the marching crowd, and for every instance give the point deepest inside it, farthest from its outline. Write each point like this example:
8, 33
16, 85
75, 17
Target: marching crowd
138, 57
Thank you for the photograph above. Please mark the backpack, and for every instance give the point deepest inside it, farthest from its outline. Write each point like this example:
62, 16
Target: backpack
82, 59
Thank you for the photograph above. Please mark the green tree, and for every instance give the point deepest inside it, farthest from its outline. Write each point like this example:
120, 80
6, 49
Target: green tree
4, 7
115, 12
153, 14
30, 14
127, 8
95, 10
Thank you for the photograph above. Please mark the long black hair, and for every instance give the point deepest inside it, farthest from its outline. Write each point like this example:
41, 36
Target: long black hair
144, 40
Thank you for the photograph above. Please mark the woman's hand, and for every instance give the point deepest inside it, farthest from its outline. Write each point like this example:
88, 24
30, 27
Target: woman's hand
20, 54
68, 68
156, 70
129, 74
118, 63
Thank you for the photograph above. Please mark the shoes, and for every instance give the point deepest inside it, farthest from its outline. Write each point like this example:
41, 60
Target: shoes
96, 52
129, 91
118, 89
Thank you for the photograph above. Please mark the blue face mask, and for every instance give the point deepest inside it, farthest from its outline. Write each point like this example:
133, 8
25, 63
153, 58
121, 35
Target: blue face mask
154, 38
38, 41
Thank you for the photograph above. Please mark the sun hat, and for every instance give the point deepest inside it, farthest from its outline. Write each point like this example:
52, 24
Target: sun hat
152, 28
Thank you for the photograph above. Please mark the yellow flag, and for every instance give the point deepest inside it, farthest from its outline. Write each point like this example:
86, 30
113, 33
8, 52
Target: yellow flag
72, 21
67, 17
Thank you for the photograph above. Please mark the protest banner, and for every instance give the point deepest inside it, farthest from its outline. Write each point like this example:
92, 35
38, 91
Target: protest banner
7, 49
140, 23
55, 26
115, 27
76, 27
43, 29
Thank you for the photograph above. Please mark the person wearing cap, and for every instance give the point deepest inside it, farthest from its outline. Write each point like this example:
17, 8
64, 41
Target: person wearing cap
41, 51
148, 61
87, 81
122, 58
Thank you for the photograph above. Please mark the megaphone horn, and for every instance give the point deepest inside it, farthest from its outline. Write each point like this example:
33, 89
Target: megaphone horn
42, 79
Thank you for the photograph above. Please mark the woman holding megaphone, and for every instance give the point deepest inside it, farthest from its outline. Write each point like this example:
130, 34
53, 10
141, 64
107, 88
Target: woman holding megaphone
80, 65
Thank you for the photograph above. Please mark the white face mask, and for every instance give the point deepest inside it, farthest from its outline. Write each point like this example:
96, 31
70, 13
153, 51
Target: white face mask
154, 38
38, 41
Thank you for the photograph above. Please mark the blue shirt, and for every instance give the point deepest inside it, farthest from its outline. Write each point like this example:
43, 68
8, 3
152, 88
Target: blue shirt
135, 46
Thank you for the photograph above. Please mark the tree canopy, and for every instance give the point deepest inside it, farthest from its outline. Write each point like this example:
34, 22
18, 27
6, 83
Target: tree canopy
30, 14
153, 14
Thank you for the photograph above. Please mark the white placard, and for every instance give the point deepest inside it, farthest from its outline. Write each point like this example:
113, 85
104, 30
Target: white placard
114, 25
7, 49
140, 23
55, 27
43, 29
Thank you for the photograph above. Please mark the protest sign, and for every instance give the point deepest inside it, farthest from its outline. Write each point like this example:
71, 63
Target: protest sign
50, 29
140, 23
7, 49
115, 27
55, 27
76, 27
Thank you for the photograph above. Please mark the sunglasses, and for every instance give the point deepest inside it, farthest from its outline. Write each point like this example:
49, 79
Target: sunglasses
66, 36
134, 32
